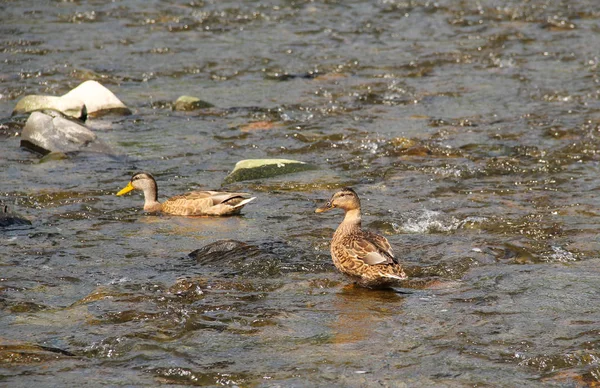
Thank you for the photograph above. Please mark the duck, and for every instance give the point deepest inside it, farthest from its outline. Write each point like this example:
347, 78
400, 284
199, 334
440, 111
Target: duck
195, 203
364, 256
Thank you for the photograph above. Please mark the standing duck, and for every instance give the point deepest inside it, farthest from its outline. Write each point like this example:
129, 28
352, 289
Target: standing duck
364, 256
195, 203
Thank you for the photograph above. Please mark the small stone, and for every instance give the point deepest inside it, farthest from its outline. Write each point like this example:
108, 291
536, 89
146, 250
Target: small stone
259, 126
189, 103
55, 155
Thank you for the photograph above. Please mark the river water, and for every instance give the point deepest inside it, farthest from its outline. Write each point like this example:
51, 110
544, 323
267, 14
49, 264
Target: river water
470, 129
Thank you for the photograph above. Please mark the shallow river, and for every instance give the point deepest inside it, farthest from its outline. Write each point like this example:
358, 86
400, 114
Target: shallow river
470, 129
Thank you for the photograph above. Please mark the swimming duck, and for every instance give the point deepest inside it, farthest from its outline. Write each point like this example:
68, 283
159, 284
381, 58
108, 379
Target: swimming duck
195, 203
364, 256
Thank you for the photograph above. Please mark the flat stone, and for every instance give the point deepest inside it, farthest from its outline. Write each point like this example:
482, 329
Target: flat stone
250, 169
48, 131
98, 99
72, 107
189, 103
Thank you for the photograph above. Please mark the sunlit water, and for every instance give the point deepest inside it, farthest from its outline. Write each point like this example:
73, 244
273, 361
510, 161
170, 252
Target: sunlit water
471, 130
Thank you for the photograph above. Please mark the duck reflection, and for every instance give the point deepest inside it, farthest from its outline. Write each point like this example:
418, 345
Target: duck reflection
361, 310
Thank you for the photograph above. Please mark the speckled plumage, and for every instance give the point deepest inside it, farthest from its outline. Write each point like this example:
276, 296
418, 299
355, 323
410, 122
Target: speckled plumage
196, 203
364, 256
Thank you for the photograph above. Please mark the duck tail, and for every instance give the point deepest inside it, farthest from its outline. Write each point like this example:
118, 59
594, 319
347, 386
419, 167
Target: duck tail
243, 203
397, 277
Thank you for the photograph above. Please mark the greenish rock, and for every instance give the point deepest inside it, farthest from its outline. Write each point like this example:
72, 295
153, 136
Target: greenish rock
56, 155
189, 103
250, 169
71, 107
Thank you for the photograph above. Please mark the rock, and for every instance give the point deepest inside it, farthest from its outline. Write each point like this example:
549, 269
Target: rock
222, 250
265, 168
71, 107
15, 352
11, 219
49, 131
188, 103
227, 258
54, 155
98, 99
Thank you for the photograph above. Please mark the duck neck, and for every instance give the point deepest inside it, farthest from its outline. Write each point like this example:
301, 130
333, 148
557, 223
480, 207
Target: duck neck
351, 221
151, 203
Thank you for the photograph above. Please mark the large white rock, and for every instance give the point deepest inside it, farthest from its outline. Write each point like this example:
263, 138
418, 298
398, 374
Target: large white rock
97, 99
72, 107
46, 132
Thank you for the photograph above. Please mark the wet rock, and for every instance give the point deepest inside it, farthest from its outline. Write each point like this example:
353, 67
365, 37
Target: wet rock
259, 126
49, 131
228, 258
19, 352
189, 103
265, 168
220, 250
71, 107
10, 219
189, 288
55, 155
98, 99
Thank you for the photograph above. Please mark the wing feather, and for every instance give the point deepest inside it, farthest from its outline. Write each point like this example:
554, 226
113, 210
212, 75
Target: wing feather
372, 249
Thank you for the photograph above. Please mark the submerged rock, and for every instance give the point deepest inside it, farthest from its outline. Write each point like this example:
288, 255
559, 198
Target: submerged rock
98, 99
71, 107
222, 249
230, 257
55, 155
188, 103
49, 131
8, 218
13, 352
265, 168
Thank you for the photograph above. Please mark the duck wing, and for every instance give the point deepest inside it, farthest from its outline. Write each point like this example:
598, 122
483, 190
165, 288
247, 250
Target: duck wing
206, 203
372, 249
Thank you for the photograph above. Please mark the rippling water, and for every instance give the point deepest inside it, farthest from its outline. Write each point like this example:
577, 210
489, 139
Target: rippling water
471, 130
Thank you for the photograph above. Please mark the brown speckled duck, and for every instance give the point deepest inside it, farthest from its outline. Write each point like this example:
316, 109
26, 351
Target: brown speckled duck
195, 203
364, 256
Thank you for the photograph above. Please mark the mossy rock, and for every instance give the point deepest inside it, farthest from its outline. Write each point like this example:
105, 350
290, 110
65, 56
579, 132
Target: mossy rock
250, 169
71, 107
188, 103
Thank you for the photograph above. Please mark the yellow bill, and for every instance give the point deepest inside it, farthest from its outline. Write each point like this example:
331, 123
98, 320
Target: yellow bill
126, 189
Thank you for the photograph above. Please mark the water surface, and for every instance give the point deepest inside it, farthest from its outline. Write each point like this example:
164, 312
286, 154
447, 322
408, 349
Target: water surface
470, 130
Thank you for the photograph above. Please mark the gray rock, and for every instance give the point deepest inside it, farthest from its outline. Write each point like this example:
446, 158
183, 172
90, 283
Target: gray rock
222, 250
98, 99
9, 219
71, 107
48, 131
266, 168
188, 103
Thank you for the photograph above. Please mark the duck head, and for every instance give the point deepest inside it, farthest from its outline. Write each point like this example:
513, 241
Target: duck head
345, 199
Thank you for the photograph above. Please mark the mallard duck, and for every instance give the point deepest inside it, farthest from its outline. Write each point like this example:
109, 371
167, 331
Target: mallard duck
364, 256
195, 203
